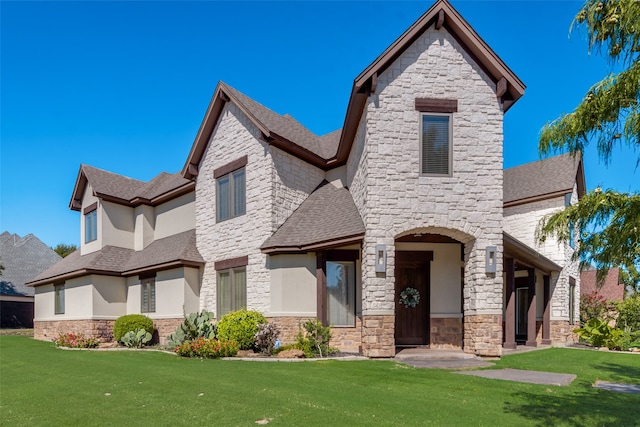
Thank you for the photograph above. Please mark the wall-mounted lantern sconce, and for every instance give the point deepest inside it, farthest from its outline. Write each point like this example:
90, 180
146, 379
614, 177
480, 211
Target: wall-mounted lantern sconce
491, 259
381, 258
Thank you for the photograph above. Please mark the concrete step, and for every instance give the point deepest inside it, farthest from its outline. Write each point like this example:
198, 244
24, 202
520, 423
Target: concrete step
426, 354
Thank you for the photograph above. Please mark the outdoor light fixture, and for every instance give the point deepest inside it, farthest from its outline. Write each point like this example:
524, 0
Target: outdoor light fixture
491, 259
381, 258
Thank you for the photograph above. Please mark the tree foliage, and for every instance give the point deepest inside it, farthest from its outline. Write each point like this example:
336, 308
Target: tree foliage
63, 249
609, 114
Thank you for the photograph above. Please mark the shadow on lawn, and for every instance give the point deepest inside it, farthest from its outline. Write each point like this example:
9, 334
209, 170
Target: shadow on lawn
621, 373
581, 408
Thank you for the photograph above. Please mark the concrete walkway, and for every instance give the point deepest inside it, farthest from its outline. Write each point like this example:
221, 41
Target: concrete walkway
622, 388
533, 377
440, 359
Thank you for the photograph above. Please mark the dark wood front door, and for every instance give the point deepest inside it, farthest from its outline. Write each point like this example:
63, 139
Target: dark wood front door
412, 323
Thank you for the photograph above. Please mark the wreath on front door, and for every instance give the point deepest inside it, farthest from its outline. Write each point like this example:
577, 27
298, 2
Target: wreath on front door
410, 297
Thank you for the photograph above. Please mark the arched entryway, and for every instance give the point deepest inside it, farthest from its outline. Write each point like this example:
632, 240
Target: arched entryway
429, 283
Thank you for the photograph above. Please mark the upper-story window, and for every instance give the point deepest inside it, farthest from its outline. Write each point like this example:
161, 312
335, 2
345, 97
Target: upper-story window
436, 144
231, 189
91, 223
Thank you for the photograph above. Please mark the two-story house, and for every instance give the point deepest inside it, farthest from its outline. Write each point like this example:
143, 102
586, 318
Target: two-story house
400, 229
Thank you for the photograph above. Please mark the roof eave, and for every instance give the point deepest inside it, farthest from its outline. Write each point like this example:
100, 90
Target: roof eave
523, 253
311, 247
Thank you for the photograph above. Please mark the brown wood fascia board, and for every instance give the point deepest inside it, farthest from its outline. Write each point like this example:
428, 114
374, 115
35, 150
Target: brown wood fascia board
226, 264
580, 179
172, 194
296, 150
72, 275
92, 207
436, 105
526, 255
327, 244
357, 103
163, 266
230, 167
78, 190
113, 199
559, 193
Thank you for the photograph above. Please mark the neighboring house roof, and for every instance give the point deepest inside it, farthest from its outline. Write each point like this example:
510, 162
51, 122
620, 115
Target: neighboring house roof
611, 289
23, 258
333, 149
543, 179
128, 191
527, 256
169, 252
327, 217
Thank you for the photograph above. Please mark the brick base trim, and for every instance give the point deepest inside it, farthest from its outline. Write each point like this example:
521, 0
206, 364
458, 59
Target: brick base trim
378, 336
483, 334
446, 333
166, 327
562, 332
348, 340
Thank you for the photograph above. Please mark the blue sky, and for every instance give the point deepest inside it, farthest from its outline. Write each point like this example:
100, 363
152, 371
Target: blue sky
123, 85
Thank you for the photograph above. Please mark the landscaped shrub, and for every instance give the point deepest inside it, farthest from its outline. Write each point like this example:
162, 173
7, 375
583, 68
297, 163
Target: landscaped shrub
598, 333
314, 341
594, 306
241, 327
131, 322
267, 338
75, 341
207, 348
136, 339
629, 314
195, 325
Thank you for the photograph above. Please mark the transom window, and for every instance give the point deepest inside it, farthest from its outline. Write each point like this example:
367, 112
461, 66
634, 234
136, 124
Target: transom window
91, 223
148, 296
435, 144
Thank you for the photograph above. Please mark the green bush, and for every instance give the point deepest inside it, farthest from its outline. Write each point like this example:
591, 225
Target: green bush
241, 327
314, 341
598, 333
267, 338
131, 322
629, 314
207, 348
195, 325
136, 339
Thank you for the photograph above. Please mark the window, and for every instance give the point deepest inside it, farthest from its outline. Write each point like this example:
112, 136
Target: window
148, 297
59, 299
341, 290
435, 145
91, 223
572, 235
230, 189
572, 300
231, 290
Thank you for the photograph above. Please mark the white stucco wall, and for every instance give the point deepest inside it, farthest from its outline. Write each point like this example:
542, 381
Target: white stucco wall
145, 221
109, 297
87, 200
384, 171
293, 285
78, 297
192, 277
177, 293
175, 216
117, 225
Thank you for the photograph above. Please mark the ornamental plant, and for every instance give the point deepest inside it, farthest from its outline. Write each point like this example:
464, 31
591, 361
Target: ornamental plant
598, 333
629, 314
195, 325
314, 340
72, 340
594, 306
131, 322
136, 339
267, 338
207, 348
241, 327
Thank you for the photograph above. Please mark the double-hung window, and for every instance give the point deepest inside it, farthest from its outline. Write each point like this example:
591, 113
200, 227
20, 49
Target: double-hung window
91, 223
231, 190
231, 290
436, 142
148, 295
59, 299
341, 293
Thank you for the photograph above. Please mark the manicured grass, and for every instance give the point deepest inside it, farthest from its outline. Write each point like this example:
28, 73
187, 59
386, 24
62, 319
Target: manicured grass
42, 385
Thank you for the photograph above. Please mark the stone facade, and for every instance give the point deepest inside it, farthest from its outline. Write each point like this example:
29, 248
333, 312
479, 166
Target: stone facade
483, 335
562, 332
166, 327
377, 336
348, 340
446, 333
51, 329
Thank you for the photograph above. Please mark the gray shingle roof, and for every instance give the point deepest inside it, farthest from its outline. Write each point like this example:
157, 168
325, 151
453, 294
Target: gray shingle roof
23, 258
288, 127
179, 248
327, 215
112, 184
548, 176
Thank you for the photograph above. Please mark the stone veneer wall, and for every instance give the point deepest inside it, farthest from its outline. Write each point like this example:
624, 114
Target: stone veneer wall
562, 332
166, 327
383, 175
446, 333
483, 335
378, 336
348, 340
51, 329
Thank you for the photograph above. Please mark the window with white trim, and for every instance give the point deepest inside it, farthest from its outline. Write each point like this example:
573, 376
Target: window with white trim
436, 148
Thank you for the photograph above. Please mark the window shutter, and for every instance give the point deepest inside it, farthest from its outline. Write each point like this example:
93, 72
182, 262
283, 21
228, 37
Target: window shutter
435, 145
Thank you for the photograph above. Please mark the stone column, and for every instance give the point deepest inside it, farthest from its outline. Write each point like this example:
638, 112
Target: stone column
378, 335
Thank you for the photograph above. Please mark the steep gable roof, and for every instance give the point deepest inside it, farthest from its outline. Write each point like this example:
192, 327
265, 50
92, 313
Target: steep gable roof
332, 150
127, 191
611, 289
543, 179
23, 258
169, 252
326, 218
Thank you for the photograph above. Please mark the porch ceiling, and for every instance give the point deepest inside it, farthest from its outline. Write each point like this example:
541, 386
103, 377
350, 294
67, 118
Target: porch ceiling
524, 255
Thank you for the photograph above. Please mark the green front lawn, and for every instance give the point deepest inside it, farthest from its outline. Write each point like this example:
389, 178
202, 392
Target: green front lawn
43, 386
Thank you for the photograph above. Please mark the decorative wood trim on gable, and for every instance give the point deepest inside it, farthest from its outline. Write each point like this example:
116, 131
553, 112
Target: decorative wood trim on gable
440, 20
374, 82
435, 105
92, 207
501, 87
230, 167
193, 169
231, 263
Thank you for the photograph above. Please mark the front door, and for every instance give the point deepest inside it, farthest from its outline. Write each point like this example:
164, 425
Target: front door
412, 319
